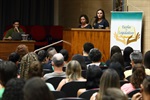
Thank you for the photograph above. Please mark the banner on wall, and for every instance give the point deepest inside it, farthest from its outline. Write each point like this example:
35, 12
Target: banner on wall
126, 29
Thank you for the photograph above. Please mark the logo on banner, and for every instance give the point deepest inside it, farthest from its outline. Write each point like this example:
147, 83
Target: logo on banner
126, 34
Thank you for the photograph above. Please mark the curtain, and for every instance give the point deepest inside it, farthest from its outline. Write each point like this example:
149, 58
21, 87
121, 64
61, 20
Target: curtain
29, 12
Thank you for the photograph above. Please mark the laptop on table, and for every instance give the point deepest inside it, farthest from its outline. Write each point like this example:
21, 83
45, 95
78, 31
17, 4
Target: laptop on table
17, 35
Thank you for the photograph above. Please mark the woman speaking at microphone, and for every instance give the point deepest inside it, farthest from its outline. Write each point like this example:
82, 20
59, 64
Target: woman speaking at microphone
100, 21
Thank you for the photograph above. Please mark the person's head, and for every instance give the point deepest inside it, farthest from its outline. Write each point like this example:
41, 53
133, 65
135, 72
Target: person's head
65, 53
117, 57
51, 52
22, 50
109, 79
115, 49
25, 64
114, 94
14, 89
138, 75
126, 53
36, 89
35, 69
95, 55
83, 19
93, 75
16, 23
118, 68
136, 57
14, 57
100, 14
147, 59
145, 86
80, 59
58, 60
8, 70
73, 70
41, 55
87, 47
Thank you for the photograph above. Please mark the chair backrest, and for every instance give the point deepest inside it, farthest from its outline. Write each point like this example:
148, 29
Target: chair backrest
88, 93
83, 73
55, 81
71, 98
123, 82
38, 33
58, 94
71, 88
133, 92
56, 32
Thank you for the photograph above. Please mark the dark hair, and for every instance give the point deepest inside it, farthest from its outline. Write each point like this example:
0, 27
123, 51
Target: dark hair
93, 74
58, 59
80, 59
95, 55
118, 68
64, 52
41, 55
146, 84
126, 53
117, 57
115, 49
36, 89
136, 57
14, 57
51, 52
103, 17
86, 18
138, 75
16, 20
87, 47
35, 69
14, 89
109, 79
8, 70
147, 59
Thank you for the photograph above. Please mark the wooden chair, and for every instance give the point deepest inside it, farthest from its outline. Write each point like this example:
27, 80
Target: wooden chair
88, 93
71, 88
55, 81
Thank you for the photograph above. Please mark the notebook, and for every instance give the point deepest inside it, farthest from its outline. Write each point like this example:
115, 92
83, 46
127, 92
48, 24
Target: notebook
17, 35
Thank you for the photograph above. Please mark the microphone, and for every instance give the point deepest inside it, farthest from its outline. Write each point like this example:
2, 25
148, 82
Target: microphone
17, 29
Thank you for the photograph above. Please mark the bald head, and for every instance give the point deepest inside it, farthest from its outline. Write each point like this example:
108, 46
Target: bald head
58, 60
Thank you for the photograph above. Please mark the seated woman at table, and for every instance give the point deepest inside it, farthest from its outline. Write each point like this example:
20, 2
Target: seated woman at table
84, 22
100, 21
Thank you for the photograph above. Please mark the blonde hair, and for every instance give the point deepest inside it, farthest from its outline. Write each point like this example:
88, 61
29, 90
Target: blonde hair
73, 70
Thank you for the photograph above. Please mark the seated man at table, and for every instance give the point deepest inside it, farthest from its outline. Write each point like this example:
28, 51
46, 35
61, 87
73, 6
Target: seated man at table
15, 29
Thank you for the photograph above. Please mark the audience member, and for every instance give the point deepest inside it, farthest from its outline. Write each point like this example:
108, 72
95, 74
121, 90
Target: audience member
22, 50
95, 56
100, 21
114, 94
93, 74
73, 73
86, 49
36, 89
36, 70
15, 28
65, 53
113, 50
84, 22
109, 79
8, 70
80, 59
145, 90
14, 89
42, 56
147, 59
137, 77
25, 64
126, 55
58, 63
